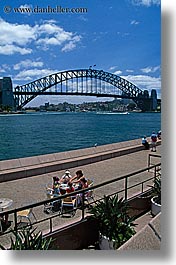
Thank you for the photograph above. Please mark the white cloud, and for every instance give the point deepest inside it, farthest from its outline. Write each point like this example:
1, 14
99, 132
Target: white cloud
56, 35
72, 44
129, 71
27, 64
134, 22
16, 34
2, 70
112, 68
83, 18
145, 81
14, 38
11, 49
69, 46
18, 38
150, 69
118, 72
32, 74
146, 3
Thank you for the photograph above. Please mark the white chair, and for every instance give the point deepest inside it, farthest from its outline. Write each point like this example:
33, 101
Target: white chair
89, 195
49, 205
69, 206
53, 206
26, 214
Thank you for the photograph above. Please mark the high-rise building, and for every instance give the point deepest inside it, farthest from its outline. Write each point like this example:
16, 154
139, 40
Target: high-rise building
146, 93
6, 92
153, 99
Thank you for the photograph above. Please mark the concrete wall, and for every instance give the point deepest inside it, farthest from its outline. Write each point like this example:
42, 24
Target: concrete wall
37, 165
148, 238
77, 236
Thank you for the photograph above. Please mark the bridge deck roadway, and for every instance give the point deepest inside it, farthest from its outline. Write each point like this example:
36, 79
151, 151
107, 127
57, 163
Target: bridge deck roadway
30, 190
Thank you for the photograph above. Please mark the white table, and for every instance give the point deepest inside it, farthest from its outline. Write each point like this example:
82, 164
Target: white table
63, 186
5, 203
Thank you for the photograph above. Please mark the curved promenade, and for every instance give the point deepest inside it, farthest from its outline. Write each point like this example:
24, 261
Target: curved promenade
43, 164
99, 163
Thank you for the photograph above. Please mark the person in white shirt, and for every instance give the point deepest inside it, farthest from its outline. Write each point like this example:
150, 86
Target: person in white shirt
145, 143
66, 177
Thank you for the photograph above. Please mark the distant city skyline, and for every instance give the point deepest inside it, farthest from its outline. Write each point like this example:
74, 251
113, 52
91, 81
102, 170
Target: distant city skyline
121, 37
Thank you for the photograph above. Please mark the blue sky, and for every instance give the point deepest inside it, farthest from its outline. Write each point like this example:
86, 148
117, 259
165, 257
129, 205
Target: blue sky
122, 37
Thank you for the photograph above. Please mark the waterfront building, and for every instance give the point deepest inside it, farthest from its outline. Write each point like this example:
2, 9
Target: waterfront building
153, 99
6, 93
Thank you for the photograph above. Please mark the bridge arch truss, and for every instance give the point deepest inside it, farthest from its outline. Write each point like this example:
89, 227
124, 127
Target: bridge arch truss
87, 82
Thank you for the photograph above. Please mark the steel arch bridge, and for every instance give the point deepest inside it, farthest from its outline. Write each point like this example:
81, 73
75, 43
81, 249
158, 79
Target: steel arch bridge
86, 82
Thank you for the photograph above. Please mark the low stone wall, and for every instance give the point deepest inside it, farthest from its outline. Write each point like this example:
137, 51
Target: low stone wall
77, 236
148, 238
37, 165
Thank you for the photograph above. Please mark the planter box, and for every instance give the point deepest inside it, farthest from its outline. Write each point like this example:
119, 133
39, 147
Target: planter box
139, 205
105, 243
155, 207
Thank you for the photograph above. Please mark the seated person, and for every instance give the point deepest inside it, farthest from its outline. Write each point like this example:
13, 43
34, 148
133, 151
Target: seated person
66, 177
78, 178
84, 183
145, 143
70, 187
159, 135
56, 181
55, 188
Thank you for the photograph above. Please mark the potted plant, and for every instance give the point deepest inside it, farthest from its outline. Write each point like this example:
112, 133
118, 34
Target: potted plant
115, 226
156, 199
27, 239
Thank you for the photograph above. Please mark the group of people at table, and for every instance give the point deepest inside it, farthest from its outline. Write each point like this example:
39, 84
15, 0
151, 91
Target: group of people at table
67, 183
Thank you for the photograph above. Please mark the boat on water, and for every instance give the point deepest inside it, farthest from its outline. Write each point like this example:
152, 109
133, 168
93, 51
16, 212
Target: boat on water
113, 112
12, 112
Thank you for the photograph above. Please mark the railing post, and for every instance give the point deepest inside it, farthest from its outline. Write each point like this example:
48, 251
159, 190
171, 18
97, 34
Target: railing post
15, 220
83, 205
148, 161
142, 187
126, 184
155, 173
50, 225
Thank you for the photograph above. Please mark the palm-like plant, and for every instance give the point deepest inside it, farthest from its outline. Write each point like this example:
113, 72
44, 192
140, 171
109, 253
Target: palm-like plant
114, 222
27, 239
156, 189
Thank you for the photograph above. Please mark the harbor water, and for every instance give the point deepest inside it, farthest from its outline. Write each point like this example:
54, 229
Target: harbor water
24, 135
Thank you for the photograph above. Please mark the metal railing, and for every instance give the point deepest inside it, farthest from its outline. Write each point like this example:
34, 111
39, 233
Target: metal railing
149, 158
83, 207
